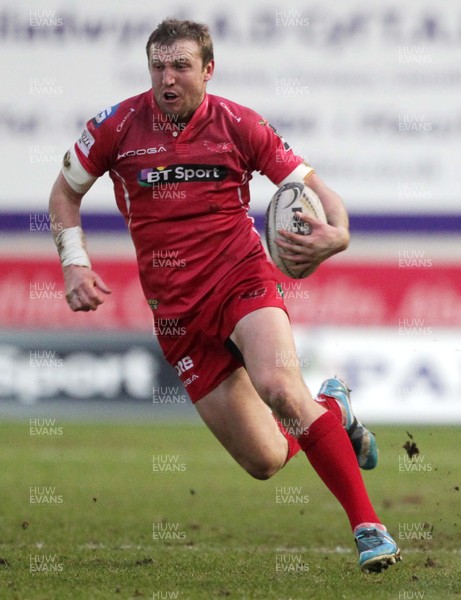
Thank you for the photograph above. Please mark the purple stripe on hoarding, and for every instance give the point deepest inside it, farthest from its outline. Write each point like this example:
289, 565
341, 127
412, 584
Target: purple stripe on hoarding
406, 223
396, 223
22, 222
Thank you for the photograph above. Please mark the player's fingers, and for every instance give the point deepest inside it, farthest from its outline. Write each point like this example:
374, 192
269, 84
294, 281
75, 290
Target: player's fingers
75, 302
99, 283
291, 237
297, 259
297, 251
92, 295
285, 243
83, 298
306, 248
90, 292
308, 218
314, 226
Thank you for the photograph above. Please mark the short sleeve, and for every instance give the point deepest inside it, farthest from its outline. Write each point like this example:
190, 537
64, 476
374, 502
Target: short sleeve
95, 146
271, 155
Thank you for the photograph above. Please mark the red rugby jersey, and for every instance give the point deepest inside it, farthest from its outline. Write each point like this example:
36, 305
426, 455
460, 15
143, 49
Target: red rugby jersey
183, 190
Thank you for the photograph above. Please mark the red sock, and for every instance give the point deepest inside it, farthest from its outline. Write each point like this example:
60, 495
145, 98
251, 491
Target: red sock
293, 444
330, 404
330, 452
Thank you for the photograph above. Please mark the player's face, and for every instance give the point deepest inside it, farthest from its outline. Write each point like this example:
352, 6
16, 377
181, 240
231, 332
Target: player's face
179, 77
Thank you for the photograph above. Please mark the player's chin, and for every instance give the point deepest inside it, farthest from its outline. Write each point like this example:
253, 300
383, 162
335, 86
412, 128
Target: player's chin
168, 109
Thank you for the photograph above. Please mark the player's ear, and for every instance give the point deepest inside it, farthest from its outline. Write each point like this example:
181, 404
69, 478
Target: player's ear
208, 71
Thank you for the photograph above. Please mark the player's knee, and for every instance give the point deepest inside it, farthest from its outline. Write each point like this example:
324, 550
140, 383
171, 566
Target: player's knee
263, 470
279, 393
265, 463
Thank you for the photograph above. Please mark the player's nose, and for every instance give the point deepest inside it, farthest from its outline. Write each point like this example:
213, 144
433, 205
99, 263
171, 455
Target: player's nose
168, 77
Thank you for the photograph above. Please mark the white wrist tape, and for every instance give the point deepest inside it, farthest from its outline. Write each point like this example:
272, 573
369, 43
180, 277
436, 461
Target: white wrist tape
298, 174
72, 247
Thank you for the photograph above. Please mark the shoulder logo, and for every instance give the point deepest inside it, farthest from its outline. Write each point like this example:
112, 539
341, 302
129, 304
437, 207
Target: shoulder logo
105, 114
85, 142
286, 145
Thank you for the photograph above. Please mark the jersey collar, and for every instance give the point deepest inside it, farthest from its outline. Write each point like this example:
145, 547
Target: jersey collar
183, 131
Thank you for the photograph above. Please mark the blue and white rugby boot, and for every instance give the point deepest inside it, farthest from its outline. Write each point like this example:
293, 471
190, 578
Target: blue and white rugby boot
362, 440
377, 549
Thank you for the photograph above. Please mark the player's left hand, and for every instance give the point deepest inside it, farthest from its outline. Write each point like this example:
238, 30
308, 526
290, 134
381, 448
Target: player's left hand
308, 251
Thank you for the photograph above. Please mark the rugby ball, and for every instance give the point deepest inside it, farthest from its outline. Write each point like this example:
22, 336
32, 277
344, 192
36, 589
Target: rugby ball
282, 213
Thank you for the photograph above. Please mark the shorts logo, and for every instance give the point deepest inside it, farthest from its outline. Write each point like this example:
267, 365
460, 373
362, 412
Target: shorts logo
105, 114
190, 380
259, 293
184, 365
181, 174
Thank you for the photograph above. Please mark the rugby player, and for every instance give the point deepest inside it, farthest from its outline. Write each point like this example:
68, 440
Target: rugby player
219, 289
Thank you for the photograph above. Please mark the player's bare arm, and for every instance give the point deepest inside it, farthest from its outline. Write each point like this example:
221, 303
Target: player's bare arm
325, 239
84, 288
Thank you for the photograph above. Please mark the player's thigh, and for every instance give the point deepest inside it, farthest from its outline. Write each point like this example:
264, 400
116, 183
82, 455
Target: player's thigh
265, 339
244, 425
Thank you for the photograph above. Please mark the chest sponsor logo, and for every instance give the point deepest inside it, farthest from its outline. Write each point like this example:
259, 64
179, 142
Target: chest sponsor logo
105, 114
181, 174
141, 152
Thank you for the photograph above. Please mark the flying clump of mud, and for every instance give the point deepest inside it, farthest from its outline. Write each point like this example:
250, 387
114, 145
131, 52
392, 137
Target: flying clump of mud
411, 447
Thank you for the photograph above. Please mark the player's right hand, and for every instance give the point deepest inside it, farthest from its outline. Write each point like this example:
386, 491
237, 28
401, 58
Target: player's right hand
84, 288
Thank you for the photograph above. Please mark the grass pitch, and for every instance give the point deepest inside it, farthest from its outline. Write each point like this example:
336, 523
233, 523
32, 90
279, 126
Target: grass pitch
146, 511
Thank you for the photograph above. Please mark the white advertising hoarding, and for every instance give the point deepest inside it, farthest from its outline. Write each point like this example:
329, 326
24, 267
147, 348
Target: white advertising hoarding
407, 374
368, 93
